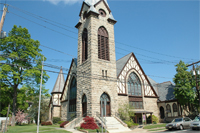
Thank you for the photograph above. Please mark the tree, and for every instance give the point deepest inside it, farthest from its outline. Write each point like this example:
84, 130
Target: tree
44, 108
20, 116
125, 113
20, 62
184, 85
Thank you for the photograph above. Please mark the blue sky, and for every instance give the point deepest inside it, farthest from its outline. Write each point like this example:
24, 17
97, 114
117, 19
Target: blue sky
159, 33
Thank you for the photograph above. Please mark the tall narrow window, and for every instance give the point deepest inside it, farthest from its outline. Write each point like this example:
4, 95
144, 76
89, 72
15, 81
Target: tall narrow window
72, 96
84, 45
103, 44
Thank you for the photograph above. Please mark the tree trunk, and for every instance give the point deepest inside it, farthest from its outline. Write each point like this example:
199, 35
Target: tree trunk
14, 105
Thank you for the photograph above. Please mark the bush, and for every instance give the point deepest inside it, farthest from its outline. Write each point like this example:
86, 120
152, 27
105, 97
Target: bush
46, 123
89, 123
56, 119
63, 124
154, 119
131, 123
60, 122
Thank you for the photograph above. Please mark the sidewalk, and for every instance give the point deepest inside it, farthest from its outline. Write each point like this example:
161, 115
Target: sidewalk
137, 130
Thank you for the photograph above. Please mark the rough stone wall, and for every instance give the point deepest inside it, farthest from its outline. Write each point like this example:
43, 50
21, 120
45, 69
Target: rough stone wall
123, 100
56, 111
150, 104
63, 110
89, 73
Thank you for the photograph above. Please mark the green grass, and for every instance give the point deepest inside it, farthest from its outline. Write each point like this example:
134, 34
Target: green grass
33, 129
95, 130
154, 126
157, 129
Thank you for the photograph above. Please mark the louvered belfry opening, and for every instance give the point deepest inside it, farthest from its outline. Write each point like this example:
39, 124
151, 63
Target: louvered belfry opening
103, 44
84, 45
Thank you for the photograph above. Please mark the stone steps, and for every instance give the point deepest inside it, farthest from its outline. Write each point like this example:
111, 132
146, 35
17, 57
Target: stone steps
113, 125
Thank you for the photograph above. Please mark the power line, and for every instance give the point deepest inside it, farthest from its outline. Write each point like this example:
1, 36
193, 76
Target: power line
91, 77
40, 17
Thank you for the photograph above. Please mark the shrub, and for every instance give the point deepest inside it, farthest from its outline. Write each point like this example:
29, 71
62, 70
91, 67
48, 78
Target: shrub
89, 123
63, 124
46, 123
60, 122
154, 119
56, 119
131, 123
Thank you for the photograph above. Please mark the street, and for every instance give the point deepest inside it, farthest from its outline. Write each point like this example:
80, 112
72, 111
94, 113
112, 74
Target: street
180, 131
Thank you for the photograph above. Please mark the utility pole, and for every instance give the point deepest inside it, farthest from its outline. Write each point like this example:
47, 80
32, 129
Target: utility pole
5, 9
38, 122
195, 73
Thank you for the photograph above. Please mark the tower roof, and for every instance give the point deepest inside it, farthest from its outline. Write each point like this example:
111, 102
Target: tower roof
93, 2
58, 87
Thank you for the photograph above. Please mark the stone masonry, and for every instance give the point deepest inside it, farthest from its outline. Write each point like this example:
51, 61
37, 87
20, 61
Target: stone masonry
89, 79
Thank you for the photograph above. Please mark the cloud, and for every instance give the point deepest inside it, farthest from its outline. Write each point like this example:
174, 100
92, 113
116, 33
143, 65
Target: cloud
55, 2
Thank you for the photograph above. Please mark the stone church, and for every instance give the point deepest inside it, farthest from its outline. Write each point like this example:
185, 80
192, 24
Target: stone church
96, 74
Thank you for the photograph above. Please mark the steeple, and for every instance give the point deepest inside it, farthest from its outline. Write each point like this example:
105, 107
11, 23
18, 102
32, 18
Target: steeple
58, 87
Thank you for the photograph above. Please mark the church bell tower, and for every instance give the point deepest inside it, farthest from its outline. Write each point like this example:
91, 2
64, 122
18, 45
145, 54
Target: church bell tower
96, 61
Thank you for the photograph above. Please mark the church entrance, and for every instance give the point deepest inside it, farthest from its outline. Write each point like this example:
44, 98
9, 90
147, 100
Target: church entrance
105, 110
84, 106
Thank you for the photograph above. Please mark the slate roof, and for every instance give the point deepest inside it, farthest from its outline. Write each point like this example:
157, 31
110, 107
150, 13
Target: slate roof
58, 87
154, 84
165, 91
121, 63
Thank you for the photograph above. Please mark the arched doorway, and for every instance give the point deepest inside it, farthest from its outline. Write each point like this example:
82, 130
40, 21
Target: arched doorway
106, 111
162, 113
84, 105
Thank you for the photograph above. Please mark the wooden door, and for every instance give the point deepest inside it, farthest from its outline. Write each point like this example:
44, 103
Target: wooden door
108, 112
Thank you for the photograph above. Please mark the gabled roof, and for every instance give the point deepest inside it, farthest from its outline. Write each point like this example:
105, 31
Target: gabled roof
58, 87
166, 91
154, 84
121, 63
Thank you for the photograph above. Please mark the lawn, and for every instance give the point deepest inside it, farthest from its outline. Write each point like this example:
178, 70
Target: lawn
154, 126
33, 129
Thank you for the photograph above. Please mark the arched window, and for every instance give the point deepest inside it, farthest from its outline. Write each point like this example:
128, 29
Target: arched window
174, 107
72, 96
134, 85
168, 108
84, 105
103, 44
162, 113
84, 45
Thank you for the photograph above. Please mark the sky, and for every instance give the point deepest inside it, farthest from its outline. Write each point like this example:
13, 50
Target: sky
159, 32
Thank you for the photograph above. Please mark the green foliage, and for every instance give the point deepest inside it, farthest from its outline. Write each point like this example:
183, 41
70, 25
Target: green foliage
59, 122
184, 85
20, 65
155, 119
44, 108
130, 123
56, 120
124, 112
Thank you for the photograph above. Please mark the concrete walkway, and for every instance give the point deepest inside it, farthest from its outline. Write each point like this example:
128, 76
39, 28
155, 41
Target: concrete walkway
137, 130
